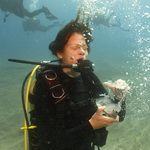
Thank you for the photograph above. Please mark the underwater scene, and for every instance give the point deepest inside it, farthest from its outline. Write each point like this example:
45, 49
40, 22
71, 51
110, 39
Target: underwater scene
120, 50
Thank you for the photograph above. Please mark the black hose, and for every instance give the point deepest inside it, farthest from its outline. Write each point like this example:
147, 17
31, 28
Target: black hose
24, 109
23, 100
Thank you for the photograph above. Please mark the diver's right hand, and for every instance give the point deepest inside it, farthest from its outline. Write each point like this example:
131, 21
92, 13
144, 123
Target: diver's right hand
98, 120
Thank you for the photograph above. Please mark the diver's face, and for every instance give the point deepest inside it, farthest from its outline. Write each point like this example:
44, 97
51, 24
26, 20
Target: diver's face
74, 50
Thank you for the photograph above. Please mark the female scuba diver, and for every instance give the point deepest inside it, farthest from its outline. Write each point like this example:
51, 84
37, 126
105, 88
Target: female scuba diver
64, 110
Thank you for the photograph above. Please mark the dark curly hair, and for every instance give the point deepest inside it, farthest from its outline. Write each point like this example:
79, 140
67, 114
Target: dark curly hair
65, 33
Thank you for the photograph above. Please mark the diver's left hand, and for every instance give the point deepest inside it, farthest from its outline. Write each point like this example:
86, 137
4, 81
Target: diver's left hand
99, 120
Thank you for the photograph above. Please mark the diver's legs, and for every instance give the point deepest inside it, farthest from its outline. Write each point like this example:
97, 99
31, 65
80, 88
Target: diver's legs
48, 14
44, 10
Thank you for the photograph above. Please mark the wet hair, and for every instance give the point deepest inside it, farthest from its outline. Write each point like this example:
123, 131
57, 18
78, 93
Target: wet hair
65, 33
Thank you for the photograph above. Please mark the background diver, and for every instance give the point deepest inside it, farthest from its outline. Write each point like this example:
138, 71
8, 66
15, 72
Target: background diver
103, 17
108, 19
17, 8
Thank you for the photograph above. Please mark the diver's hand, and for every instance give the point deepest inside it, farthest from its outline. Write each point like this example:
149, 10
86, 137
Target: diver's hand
98, 120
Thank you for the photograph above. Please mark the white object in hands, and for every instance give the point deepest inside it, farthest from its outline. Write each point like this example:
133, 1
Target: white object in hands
120, 88
113, 104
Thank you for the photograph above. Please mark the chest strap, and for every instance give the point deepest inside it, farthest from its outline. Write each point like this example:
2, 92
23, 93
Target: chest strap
56, 90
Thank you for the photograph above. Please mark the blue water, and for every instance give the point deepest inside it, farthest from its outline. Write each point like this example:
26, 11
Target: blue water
117, 54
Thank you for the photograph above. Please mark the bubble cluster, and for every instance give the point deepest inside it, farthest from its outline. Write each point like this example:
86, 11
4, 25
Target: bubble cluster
135, 17
95, 11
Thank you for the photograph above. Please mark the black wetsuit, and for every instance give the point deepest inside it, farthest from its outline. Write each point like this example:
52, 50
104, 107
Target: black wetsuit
62, 108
